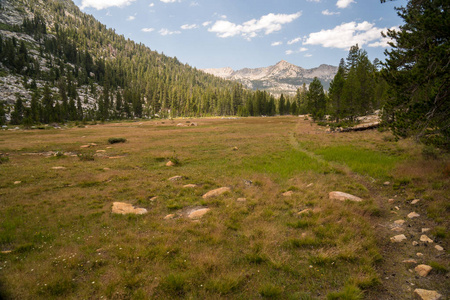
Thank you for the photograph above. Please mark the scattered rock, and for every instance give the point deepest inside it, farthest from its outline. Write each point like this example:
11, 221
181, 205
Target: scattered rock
303, 211
415, 201
152, 199
193, 124
85, 146
398, 229
288, 194
397, 208
391, 200
169, 217
6, 251
170, 164
427, 294
175, 178
425, 229
58, 168
425, 239
413, 215
241, 200
414, 243
235, 148
114, 157
310, 185
92, 144
126, 208
198, 213
191, 185
419, 254
398, 238
410, 261
439, 248
216, 192
17, 182
423, 270
106, 169
399, 222
248, 182
343, 196
180, 125
386, 183
100, 151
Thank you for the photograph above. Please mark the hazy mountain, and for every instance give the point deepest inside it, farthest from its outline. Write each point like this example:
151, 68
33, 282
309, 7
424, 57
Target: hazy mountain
283, 77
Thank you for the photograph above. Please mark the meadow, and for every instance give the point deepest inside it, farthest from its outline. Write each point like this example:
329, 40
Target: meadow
60, 240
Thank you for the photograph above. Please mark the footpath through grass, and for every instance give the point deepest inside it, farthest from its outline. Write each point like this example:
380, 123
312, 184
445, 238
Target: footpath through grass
59, 239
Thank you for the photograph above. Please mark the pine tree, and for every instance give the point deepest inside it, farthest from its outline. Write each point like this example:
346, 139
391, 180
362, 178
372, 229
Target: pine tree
335, 91
316, 99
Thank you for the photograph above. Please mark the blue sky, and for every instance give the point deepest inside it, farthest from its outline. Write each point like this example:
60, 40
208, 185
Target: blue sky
250, 33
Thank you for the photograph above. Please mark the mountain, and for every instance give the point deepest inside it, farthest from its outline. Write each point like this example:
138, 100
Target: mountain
283, 77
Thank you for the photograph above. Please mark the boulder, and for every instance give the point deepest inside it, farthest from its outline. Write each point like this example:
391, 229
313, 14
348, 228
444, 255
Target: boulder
197, 213
415, 201
439, 248
343, 196
427, 294
126, 208
425, 229
58, 168
398, 238
216, 192
169, 217
399, 222
170, 164
190, 186
288, 194
413, 214
425, 239
423, 270
409, 261
17, 182
176, 178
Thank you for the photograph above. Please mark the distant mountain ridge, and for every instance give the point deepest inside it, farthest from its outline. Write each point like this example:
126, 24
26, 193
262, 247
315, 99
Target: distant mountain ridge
282, 77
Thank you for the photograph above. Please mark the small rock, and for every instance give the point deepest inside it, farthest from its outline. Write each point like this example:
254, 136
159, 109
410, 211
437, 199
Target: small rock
5, 252
386, 183
413, 215
190, 185
343, 196
175, 178
398, 238
423, 270
410, 261
414, 243
216, 192
427, 294
397, 229
100, 151
248, 182
310, 185
303, 211
425, 239
397, 208
168, 217
241, 200
425, 229
170, 164
235, 148
193, 124
198, 213
415, 201
439, 248
288, 194
85, 146
115, 157
106, 169
399, 222
180, 125
58, 168
126, 208
17, 182
152, 199
391, 200
93, 144
419, 254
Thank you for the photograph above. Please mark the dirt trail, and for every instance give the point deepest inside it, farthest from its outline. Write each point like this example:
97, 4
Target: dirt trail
398, 277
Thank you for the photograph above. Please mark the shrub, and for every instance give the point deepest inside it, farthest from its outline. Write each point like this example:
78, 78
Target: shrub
350, 292
4, 159
116, 140
88, 156
430, 152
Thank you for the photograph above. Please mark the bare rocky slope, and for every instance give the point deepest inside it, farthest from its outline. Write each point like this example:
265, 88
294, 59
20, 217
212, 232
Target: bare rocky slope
283, 77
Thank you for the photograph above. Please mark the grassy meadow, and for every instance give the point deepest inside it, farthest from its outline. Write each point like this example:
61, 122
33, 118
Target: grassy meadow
59, 239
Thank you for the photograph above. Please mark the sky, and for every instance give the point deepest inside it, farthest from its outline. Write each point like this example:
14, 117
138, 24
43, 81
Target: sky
251, 33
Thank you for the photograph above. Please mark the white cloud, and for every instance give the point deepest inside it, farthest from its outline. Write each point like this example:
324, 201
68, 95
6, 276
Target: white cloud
187, 26
169, 1
276, 43
296, 40
166, 31
302, 49
131, 18
307, 55
207, 23
289, 52
147, 29
151, 4
194, 3
346, 35
344, 3
102, 4
326, 12
313, 0
267, 24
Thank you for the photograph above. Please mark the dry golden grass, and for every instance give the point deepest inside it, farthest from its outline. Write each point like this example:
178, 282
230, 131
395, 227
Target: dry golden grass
67, 244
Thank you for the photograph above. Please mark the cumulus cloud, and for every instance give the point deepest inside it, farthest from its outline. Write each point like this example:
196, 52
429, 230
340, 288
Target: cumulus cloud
313, 0
276, 43
326, 12
296, 40
169, 1
189, 26
344, 3
131, 18
165, 31
250, 29
307, 55
207, 23
151, 4
346, 35
289, 52
147, 29
303, 49
102, 4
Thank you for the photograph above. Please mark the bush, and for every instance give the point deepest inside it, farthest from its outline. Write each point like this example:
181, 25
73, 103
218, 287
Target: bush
4, 159
116, 140
88, 156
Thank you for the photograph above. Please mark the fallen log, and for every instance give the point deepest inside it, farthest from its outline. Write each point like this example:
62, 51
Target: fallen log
361, 127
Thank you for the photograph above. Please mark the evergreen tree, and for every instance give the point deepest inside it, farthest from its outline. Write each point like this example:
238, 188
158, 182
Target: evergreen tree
316, 99
418, 73
18, 113
335, 91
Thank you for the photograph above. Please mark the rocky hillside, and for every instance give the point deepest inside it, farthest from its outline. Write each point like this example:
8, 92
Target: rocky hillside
283, 77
